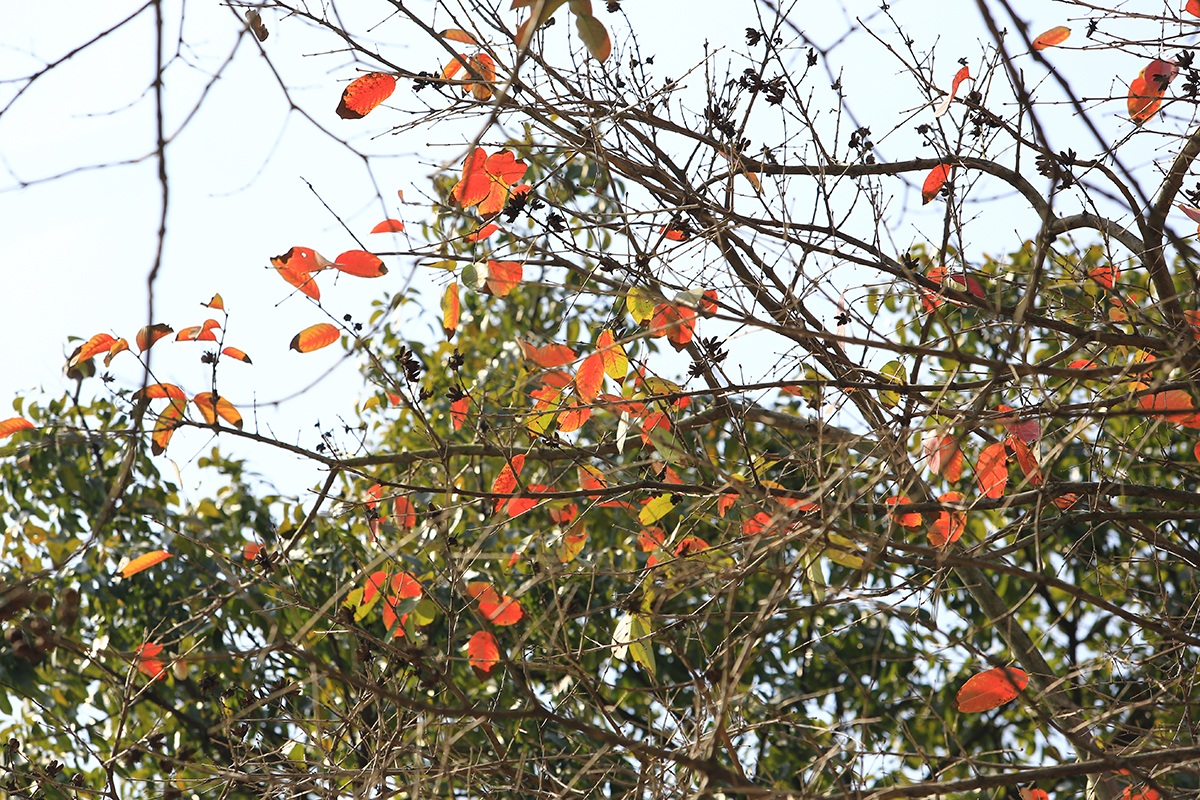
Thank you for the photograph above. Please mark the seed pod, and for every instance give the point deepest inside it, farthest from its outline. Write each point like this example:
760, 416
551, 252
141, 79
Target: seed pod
15, 602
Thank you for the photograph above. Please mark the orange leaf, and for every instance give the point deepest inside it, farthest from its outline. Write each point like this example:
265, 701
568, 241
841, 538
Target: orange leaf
458, 35
1052, 37
991, 689
314, 337
388, 226
482, 591
295, 267
590, 377
251, 550
484, 232
212, 405
144, 561
949, 525
458, 412
1106, 275
548, 356
365, 94
360, 264
503, 276
689, 545
1147, 89
453, 68
1026, 459
944, 457
677, 323
217, 303
963, 74
506, 481
934, 181
483, 67
148, 664
151, 334
616, 363
1192, 7
10, 426
450, 311
905, 519
157, 391
674, 233
475, 184
403, 514
483, 652
240, 355
91, 348
165, 426
991, 470
505, 612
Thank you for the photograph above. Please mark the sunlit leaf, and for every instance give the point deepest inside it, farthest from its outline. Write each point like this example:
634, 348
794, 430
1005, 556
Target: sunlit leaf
388, 226
547, 356
616, 363
360, 264
150, 334
934, 182
483, 652
1025, 459
1147, 89
571, 546
165, 426
949, 525
156, 391
1052, 37
589, 378
991, 689
144, 561
656, 509
503, 277
483, 67
963, 74
506, 482
458, 35
991, 470
896, 373
217, 303
240, 355
314, 337
503, 613
365, 94
10, 426
450, 310
94, 346
1192, 7
148, 664
905, 519
211, 405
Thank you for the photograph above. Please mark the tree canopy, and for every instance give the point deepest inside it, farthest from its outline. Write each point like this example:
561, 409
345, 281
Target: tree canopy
715, 435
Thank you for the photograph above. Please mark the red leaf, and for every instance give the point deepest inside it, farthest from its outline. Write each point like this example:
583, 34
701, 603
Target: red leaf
1052, 37
949, 525
674, 233
689, 545
503, 612
10, 426
388, 226
1026, 459
144, 561
590, 377
148, 664
314, 337
944, 457
360, 264
475, 183
251, 550
483, 652
506, 481
484, 232
1105, 275
1192, 7
1147, 89
677, 323
458, 412
991, 470
905, 519
933, 182
403, 514
296, 265
365, 94
483, 67
963, 74
991, 689
1027, 430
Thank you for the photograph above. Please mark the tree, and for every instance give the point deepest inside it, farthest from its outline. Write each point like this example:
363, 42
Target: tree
947, 546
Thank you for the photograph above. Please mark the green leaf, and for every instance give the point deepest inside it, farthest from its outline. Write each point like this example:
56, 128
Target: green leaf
656, 509
892, 372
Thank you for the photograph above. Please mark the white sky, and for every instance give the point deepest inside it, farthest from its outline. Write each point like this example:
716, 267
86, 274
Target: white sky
78, 248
